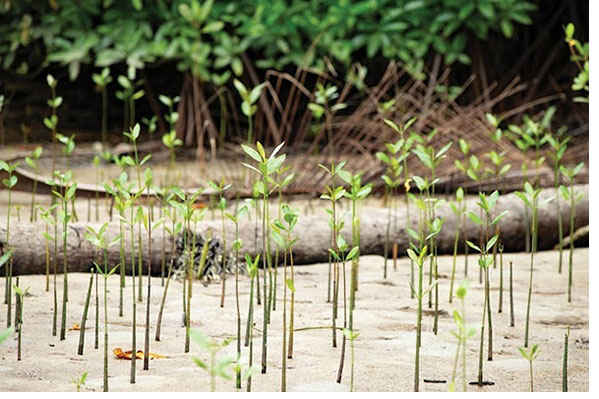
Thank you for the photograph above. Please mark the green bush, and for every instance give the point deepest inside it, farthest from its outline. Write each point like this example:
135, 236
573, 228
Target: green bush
209, 37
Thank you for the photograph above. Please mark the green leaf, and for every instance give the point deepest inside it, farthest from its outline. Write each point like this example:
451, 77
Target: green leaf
4, 335
290, 285
252, 153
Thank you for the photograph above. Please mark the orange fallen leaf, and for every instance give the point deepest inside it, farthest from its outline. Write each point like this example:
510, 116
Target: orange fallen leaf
118, 352
76, 327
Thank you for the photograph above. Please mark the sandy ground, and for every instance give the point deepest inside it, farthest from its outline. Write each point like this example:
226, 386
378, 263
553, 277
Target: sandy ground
385, 316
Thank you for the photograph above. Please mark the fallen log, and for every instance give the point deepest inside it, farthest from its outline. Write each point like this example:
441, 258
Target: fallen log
313, 230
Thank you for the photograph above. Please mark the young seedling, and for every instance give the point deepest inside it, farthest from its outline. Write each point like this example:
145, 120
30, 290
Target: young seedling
64, 181
392, 179
530, 197
171, 142
512, 321
572, 198
404, 154
463, 166
342, 256
252, 269
102, 80
84, 317
419, 257
249, 99
149, 225
356, 194
487, 206
220, 188
431, 159
429, 205
462, 334
278, 183
322, 107
32, 162
334, 194
218, 367
187, 209
80, 381
19, 322
559, 144
9, 183
565, 362
236, 246
128, 95
98, 239
531, 355
580, 56
458, 210
351, 335
266, 167
52, 122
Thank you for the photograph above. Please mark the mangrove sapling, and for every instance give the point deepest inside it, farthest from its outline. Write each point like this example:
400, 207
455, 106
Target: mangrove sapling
220, 188
84, 317
463, 166
19, 322
149, 225
236, 246
98, 239
129, 94
565, 362
119, 195
52, 122
102, 80
357, 193
171, 141
64, 180
487, 205
476, 173
187, 209
351, 335
334, 194
69, 147
216, 367
462, 334
392, 180
281, 234
279, 182
484, 262
500, 306
419, 257
559, 144
32, 162
572, 198
324, 96
266, 167
530, 197
512, 321
530, 356
458, 211
173, 232
252, 269
80, 381
97, 302
431, 159
9, 183
434, 229
133, 136
405, 153
249, 98
343, 256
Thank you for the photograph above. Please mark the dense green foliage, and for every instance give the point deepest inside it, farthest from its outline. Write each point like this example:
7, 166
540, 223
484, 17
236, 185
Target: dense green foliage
209, 37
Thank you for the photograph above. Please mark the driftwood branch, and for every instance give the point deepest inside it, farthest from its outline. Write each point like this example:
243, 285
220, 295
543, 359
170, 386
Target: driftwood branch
313, 230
